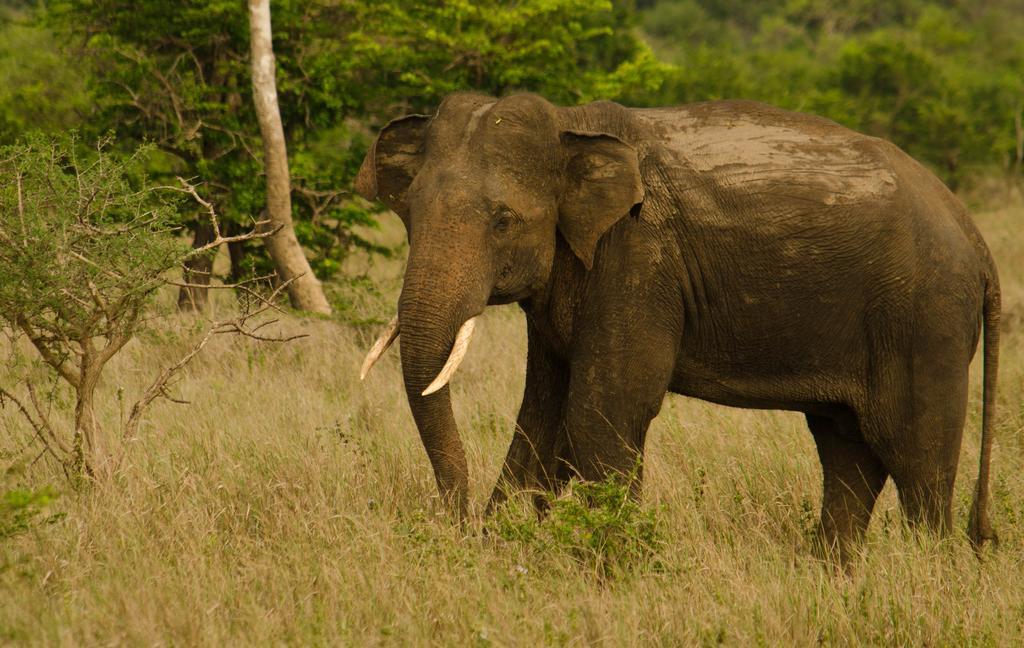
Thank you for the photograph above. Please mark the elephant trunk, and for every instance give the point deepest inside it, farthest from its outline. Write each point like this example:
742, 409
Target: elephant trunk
435, 310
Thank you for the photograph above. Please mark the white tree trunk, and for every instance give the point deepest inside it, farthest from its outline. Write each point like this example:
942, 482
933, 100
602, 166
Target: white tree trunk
305, 291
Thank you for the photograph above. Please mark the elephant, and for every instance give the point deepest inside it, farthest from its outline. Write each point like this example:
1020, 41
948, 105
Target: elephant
729, 251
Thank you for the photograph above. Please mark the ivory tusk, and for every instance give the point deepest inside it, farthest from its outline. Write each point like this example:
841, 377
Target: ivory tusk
454, 358
385, 340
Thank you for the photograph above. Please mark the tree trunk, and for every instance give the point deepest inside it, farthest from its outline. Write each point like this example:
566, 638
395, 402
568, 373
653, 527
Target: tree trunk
236, 250
304, 291
90, 452
198, 271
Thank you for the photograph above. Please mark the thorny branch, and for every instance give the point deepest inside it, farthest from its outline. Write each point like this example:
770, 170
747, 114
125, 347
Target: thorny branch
42, 427
36, 425
44, 420
244, 287
219, 239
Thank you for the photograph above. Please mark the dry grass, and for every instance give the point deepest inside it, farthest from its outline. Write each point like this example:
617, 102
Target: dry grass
291, 504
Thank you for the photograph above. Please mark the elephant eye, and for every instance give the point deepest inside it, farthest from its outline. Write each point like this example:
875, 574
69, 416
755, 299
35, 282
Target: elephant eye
503, 220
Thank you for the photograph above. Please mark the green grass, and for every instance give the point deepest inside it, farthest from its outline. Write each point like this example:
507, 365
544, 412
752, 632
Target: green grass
290, 503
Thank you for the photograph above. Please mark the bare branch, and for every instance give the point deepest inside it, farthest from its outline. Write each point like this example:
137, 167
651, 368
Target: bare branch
190, 189
233, 327
219, 239
240, 284
44, 419
114, 344
235, 239
159, 385
6, 395
40, 427
238, 325
166, 395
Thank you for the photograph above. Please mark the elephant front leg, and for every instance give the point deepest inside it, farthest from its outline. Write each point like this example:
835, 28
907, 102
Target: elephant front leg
533, 462
617, 388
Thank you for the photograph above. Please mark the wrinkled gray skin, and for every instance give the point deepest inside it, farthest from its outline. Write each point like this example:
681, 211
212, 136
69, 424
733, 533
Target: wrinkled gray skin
728, 251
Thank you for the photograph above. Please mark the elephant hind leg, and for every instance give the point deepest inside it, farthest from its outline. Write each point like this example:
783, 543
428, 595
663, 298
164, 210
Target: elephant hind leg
921, 443
925, 473
927, 501
853, 477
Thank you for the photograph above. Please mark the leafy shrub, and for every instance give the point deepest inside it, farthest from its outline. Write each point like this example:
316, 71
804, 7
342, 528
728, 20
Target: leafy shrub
20, 507
595, 524
85, 243
83, 247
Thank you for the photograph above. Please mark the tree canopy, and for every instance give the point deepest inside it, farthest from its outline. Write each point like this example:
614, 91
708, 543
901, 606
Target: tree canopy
941, 78
175, 74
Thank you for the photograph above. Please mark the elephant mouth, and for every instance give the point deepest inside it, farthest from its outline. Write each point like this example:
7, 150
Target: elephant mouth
501, 299
455, 356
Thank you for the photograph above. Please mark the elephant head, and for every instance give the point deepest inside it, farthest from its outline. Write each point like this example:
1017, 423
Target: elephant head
484, 187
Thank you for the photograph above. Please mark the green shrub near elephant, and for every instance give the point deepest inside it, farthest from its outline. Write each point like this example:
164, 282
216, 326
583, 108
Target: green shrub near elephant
729, 251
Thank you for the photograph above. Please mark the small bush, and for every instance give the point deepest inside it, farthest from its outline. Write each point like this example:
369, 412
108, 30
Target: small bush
20, 508
596, 524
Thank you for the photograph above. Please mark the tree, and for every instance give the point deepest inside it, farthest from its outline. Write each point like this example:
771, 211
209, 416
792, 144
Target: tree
290, 261
84, 245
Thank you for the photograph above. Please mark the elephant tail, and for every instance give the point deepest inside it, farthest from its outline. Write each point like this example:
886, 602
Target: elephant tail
979, 528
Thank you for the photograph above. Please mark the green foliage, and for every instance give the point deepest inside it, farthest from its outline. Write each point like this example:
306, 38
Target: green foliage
84, 240
595, 524
39, 88
940, 78
20, 508
177, 74
567, 50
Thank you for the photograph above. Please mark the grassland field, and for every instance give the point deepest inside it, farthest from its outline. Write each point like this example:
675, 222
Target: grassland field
289, 503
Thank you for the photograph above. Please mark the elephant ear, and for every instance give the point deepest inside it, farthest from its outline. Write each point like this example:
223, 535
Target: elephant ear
602, 185
393, 161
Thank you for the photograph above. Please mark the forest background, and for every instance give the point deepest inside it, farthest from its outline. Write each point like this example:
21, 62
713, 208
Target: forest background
941, 78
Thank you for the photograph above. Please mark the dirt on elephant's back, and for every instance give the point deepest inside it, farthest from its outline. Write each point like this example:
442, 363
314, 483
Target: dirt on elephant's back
761, 148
